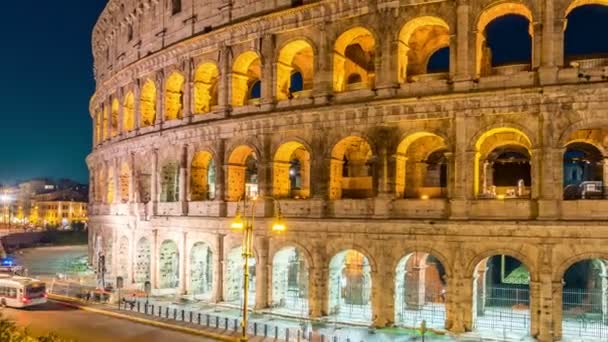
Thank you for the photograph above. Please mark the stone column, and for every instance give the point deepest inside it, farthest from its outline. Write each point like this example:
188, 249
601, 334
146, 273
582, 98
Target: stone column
557, 288
383, 297
537, 44
224, 93
137, 106
154, 277
461, 183
323, 76
268, 47
605, 176
415, 292
220, 177
218, 275
154, 193
318, 284
183, 180
449, 156
184, 276
459, 303
464, 57
160, 99
116, 167
261, 277
187, 99
121, 114
551, 182
132, 176
480, 289
546, 307
535, 173
387, 80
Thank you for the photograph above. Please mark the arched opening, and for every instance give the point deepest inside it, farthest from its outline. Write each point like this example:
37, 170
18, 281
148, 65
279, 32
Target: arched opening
354, 53
501, 297
174, 96
124, 182
98, 135
290, 282
421, 167
291, 171
147, 104
420, 291
583, 172
439, 61
110, 196
168, 265
123, 258
201, 271
502, 165
351, 169
350, 287
233, 291
419, 39
143, 259
246, 73
242, 173
169, 182
504, 37
584, 301
294, 69
202, 177
128, 113
205, 88
114, 118
584, 20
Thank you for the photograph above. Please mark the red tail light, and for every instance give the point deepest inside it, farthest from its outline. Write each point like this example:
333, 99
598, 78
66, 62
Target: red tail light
25, 299
46, 295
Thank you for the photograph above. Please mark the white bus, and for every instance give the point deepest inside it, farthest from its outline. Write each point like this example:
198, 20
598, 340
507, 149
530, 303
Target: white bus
21, 292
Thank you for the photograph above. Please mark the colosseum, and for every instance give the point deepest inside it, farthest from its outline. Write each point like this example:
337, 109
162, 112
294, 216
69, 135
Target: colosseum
422, 169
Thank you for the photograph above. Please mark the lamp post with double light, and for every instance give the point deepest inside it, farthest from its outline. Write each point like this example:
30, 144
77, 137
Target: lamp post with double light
243, 223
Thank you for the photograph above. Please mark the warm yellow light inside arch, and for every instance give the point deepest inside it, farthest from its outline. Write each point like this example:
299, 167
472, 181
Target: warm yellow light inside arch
492, 139
432, 142
404, 40
114, 118
148, 104
357, 34
110, 185
123, 182
199, 180
237, 171
578, 3
245, 70
205, 87
105, 129
174, 94
128, 113
295, 56
491, 13
282, 162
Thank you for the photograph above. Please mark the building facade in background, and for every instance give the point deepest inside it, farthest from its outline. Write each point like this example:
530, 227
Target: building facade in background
423, 172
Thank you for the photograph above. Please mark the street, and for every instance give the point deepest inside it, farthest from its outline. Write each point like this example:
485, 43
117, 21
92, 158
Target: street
83, 326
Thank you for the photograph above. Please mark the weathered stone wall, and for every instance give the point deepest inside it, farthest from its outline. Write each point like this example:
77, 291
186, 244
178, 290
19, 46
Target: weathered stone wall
383, 131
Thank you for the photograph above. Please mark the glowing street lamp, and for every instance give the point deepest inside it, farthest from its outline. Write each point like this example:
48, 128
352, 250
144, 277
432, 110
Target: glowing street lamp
242, 223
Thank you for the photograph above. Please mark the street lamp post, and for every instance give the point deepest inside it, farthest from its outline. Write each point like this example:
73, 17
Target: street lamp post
244, 224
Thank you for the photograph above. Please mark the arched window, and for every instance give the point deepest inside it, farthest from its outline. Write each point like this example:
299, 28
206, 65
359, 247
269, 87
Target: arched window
419, 40
255, 90
354, 52
583, 172
580, 37
176, 6
296, 82
439, 61
294, 69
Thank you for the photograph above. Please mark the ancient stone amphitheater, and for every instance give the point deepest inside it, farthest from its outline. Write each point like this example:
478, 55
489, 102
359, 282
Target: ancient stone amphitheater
418, 177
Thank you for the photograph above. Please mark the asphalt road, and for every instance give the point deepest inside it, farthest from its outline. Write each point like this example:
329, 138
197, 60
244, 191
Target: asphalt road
83, 326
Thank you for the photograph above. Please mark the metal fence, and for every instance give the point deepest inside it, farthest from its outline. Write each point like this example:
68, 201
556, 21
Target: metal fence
228, 325
585, 314
430, 308
504, 308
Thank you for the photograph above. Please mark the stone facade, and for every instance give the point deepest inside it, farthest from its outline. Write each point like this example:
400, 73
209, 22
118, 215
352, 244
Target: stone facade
180, 135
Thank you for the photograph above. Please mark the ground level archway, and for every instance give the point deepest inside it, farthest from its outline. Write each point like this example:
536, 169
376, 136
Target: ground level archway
350, 287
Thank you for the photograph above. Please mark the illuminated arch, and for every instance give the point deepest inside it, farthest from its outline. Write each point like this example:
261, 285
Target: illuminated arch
174, 96
201, 188
242, 173
491, 140
246, 71
350, 172
168, 265
354, 60
296, 56
104, 127
205, 87
128, 113
419, 38
291, 171
290, 279
350, 285
114, 118
578, 3
148, 104
414, 170
489, 15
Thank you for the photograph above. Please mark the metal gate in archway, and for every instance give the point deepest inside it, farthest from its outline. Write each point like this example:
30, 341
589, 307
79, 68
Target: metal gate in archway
584, 315
503, 310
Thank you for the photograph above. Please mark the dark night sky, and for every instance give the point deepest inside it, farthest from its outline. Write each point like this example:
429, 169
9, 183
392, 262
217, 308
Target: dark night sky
47, 80
45, 86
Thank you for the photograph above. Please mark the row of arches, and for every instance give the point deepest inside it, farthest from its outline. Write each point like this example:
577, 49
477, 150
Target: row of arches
503, 168
503, 36
501, 294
